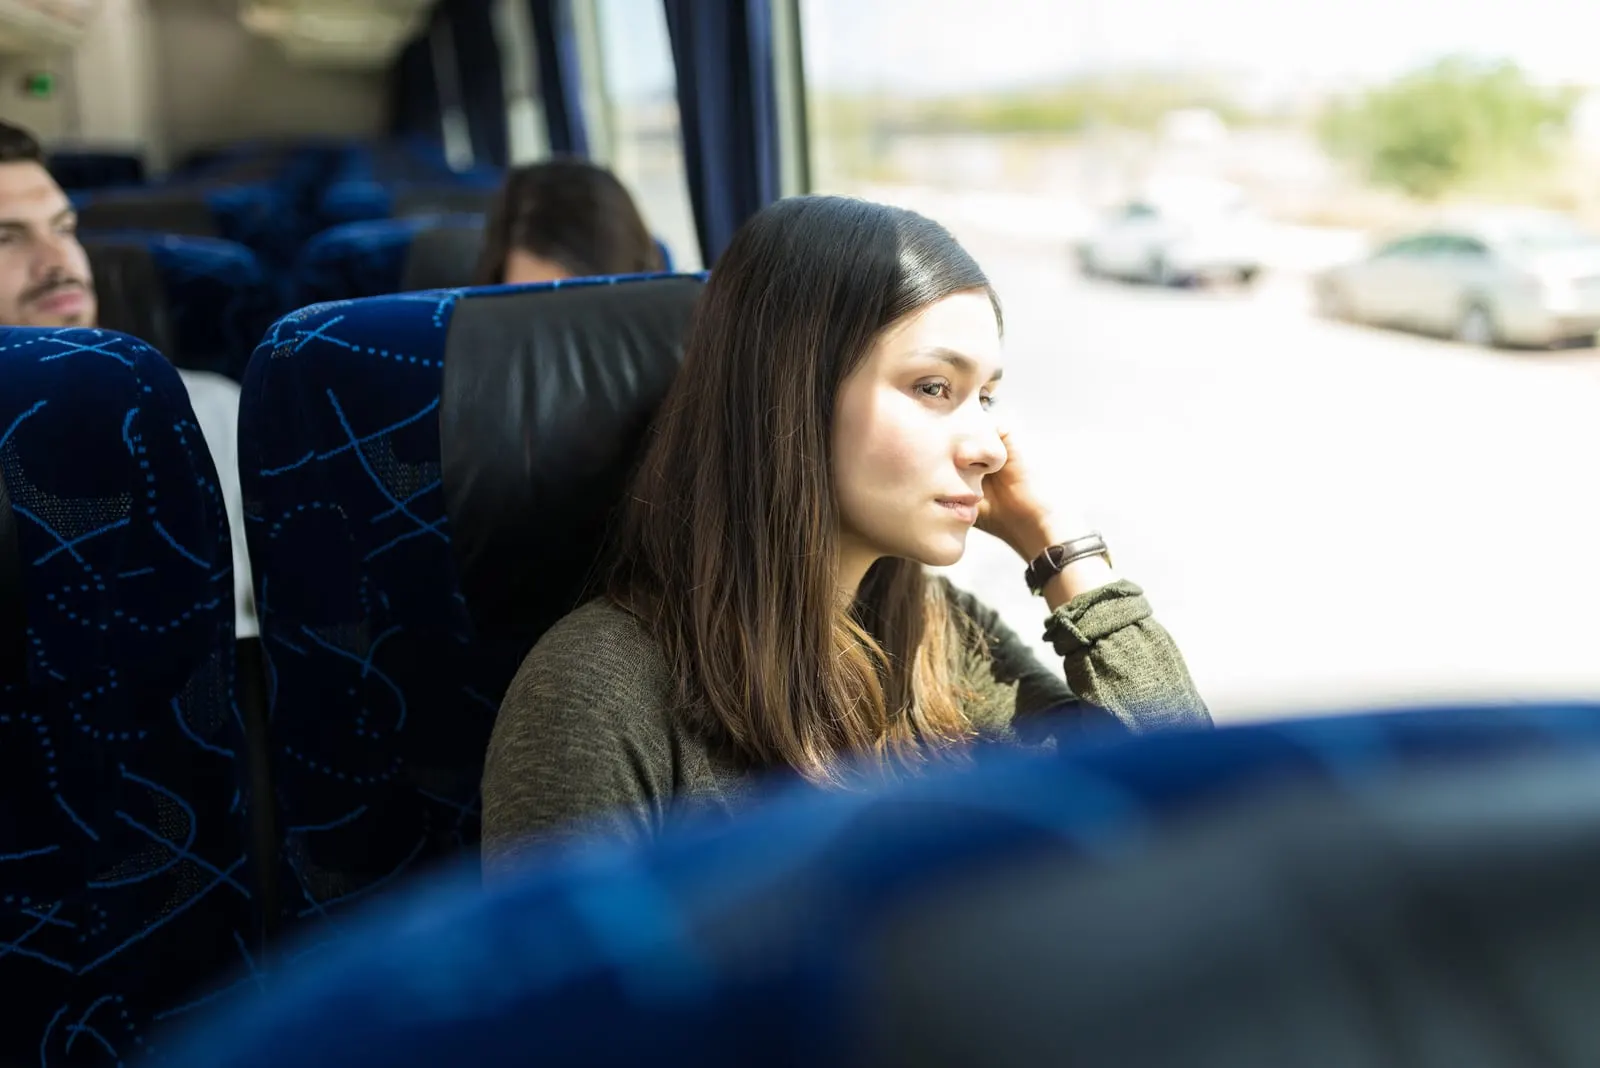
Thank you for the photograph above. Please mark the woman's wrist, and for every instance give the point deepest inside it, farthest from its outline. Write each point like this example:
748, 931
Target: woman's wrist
1076, 579
1090, 573
1039, 533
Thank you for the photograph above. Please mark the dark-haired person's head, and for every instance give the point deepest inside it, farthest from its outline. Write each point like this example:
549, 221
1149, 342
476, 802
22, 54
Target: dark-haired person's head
44, 271
564, 219
822, 443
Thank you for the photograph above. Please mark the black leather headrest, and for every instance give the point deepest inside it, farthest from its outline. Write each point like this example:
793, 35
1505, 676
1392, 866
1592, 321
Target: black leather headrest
439, 200
180, 212
253, 169
129, 290
546, 399
443, 257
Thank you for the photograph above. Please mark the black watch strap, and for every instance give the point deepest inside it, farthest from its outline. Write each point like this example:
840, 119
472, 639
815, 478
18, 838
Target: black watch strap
1050, 563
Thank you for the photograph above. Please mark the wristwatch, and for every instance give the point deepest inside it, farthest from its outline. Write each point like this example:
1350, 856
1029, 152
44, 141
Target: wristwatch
1054, 560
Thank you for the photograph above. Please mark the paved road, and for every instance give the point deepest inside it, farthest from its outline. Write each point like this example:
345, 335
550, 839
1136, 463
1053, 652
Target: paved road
1324, 515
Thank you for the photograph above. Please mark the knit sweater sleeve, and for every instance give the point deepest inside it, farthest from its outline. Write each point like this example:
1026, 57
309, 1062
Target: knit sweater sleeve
1121, 670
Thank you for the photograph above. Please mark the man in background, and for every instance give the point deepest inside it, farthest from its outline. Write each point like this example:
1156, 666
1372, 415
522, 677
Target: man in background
45, 280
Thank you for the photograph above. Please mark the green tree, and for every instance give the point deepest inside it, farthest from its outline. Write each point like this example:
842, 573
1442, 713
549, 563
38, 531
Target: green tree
1447, 125
1132, 102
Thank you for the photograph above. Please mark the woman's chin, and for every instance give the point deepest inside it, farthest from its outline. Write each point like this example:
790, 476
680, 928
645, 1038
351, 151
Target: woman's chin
942, 552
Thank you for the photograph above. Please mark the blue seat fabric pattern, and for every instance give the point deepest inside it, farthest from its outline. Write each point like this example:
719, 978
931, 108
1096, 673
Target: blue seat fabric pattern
126, 897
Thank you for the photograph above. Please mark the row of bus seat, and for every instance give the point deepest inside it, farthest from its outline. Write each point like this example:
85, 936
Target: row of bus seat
201, 264
260, 218
203, 302
86, 169
206, 302
380, 256
397, 181
427, 478
274, 198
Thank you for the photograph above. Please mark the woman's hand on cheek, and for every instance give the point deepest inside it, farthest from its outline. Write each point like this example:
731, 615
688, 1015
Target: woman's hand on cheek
1016, 510
1019, 513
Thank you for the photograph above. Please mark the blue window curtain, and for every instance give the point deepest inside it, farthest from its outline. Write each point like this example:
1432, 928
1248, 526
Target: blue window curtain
727, 105
560, 78
414, 96
482, 85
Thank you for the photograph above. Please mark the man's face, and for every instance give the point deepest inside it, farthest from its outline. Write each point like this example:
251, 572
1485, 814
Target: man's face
44, 272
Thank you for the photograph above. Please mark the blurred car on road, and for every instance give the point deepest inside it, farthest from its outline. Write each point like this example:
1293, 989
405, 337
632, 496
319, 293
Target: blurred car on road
1524, 278
1176, 239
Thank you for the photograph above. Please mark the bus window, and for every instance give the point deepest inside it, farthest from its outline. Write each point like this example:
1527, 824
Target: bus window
645, 141
525, 132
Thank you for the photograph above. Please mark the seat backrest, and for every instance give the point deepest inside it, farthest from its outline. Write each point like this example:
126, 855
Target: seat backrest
261, 217
204, 302
88, 169
268, 165
177, 211
264, 218
129, 290
360, 198
385, 685
437, 199
444, 256
299, 169
354, 199
383, 256
125, 892
1381, 890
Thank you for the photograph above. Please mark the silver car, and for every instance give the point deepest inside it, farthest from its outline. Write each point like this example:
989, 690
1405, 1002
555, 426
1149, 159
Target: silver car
1174, 244
1530, 279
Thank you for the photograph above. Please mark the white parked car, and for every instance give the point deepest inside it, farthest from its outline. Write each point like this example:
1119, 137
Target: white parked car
1175, 243
1528, 279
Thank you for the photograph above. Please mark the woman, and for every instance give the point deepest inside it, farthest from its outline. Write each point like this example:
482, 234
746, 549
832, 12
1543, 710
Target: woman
564, 219
830, 434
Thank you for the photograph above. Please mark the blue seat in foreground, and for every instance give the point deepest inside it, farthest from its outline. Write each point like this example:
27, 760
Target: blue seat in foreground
125, 892
1381, 890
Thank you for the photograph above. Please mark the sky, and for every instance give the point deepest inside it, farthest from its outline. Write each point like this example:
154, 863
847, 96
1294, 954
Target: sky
953, 46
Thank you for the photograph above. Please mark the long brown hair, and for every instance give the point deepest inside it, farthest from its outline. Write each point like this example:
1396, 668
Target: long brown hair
728, 544
569, 211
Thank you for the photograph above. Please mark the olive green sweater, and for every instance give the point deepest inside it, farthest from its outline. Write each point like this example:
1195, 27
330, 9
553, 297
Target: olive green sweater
587, 740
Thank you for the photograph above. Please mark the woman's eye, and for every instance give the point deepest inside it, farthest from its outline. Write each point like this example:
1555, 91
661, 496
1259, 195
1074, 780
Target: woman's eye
936, 390
988, 400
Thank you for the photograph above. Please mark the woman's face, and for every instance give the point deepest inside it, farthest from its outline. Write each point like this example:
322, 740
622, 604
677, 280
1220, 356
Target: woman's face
523, 267
914, 437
